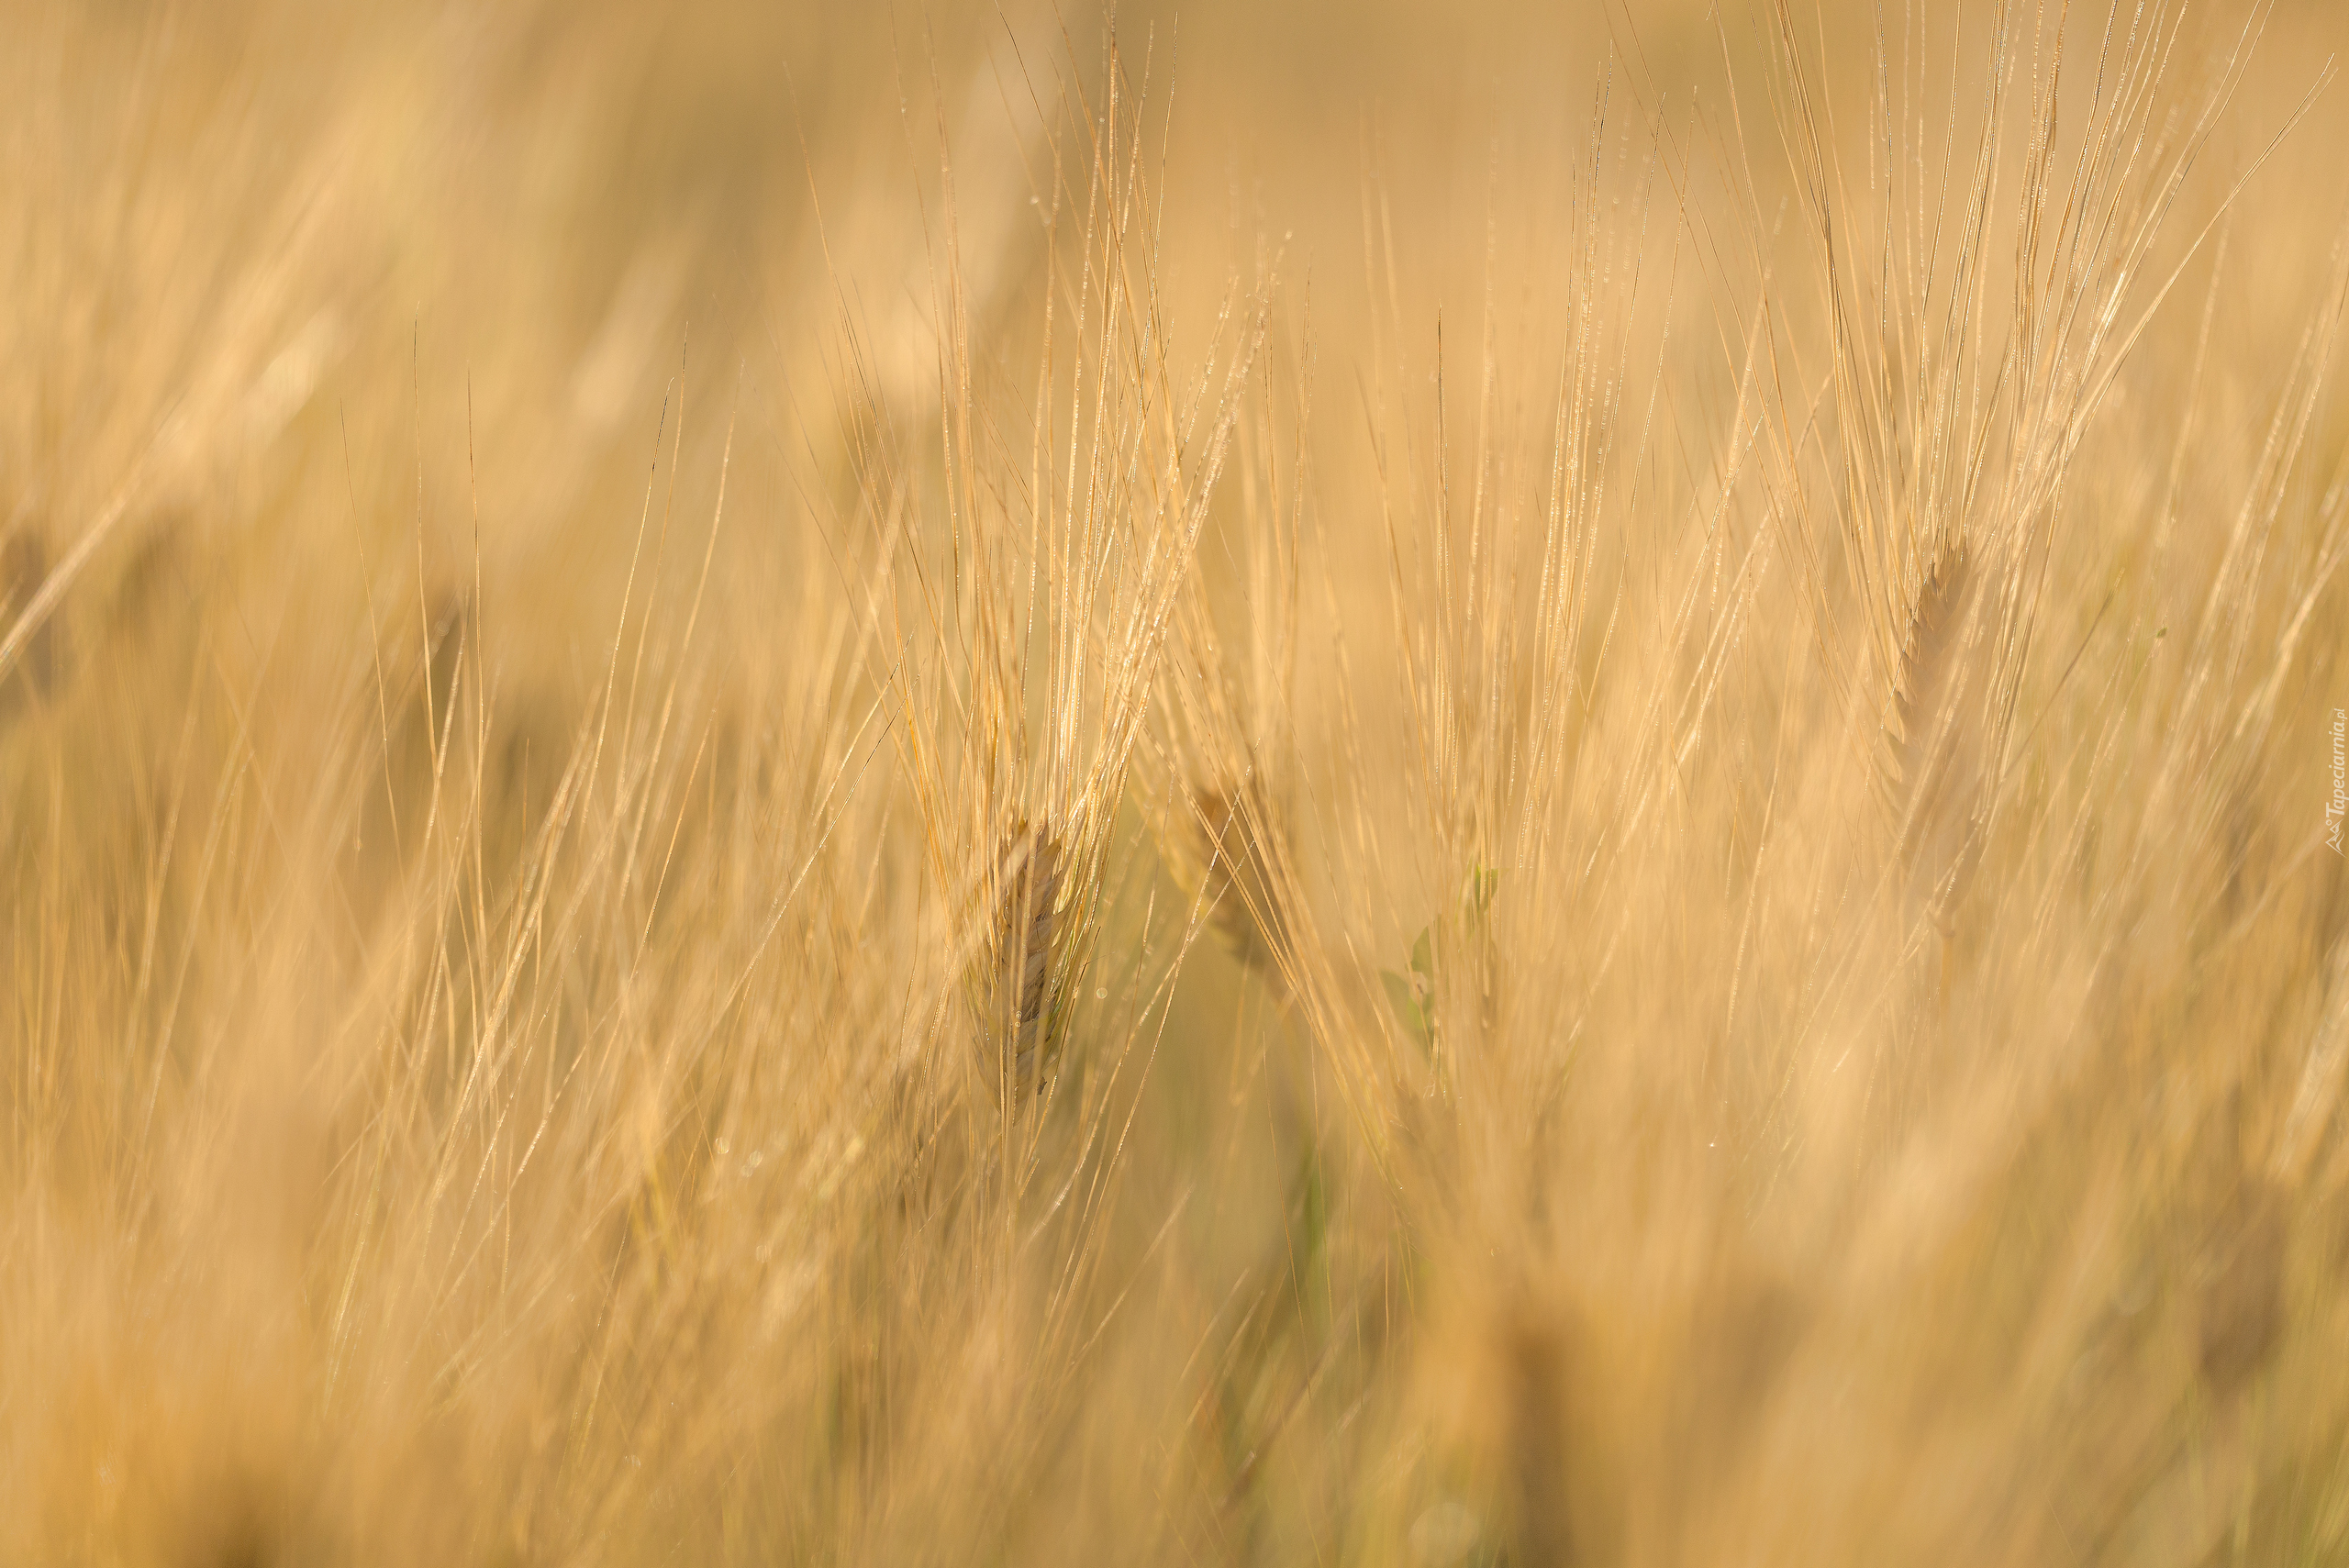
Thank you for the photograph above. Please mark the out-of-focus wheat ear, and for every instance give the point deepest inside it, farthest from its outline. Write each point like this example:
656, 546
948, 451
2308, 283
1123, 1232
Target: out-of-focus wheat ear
2322, 1072
1539, 1356
1749, 1321
24, 569
1028, 874
1937, 753
1228, 852
2241, 1307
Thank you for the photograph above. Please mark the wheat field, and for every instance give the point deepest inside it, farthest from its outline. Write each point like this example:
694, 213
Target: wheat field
1318, 782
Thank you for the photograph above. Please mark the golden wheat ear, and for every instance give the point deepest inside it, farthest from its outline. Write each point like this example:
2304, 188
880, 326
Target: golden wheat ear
1020, 1022
1937, 751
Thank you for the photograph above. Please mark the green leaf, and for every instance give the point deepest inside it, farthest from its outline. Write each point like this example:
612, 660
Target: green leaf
1483, 881
1403, 997
1423, 956
1309, 1269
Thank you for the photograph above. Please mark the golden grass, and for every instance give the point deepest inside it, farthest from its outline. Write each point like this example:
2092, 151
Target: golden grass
779, 784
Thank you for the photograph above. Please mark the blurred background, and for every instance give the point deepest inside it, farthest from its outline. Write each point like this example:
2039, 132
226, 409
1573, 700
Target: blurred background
368, 254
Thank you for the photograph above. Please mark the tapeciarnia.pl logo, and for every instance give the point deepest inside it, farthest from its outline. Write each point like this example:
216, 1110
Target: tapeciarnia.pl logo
2333, 809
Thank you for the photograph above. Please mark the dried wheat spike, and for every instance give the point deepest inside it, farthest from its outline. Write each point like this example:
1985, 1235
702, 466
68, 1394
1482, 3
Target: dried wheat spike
1937, 753
1028, 879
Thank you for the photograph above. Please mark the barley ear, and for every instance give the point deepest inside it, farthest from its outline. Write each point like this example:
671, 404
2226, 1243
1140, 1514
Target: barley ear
1021, 1019
1938, 757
